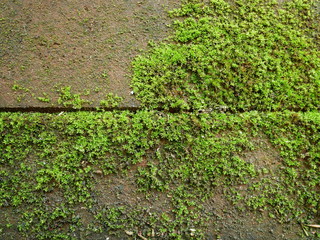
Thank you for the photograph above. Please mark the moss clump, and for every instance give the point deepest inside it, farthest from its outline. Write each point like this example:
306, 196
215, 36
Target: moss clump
69, 99
242, 55
111, 101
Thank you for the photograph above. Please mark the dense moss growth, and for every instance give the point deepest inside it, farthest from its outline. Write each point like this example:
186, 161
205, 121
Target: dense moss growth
240, 55
47, 157
57, 170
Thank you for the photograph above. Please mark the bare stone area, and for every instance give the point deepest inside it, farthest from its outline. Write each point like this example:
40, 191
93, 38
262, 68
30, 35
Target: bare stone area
88, 46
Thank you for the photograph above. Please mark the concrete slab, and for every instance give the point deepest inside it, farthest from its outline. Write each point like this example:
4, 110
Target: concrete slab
83, 45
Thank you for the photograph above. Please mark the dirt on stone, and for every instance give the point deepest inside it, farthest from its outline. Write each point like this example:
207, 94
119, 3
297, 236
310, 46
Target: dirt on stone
87, 45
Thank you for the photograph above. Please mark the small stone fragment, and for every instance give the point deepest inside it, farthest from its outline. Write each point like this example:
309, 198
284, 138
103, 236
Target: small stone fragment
142, 237
130, 233
192, 232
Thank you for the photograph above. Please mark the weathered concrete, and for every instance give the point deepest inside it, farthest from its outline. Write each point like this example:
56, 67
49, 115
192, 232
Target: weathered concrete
87, 45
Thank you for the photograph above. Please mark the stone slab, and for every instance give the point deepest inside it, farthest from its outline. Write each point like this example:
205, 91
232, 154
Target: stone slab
87, 45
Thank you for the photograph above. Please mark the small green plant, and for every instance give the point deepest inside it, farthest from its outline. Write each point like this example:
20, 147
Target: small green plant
111, 101
45, 98
69, 99
17, 87
105, 75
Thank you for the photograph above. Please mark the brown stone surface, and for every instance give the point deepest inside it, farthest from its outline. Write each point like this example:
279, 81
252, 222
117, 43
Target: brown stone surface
85, 44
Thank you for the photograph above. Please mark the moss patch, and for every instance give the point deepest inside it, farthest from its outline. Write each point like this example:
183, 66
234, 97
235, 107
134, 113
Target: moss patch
52, 167
239, 55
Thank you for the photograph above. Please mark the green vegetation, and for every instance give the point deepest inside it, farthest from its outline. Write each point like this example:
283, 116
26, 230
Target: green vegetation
21, 92
223, 60
17, 87
243, 55
186, 157
69, 99
45, 98
111, 101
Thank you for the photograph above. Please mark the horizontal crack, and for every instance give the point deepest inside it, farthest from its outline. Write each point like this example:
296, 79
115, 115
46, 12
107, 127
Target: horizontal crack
131, 109
64, 109
83, 109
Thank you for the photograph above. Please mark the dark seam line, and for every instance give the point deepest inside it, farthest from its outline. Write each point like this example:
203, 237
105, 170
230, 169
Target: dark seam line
134, 109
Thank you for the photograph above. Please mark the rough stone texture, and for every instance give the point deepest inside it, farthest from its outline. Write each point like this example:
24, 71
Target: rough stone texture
87, 45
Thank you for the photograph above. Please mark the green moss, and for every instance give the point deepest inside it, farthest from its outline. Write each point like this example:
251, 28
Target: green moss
45, 98
69, 99
244, 55
188, 157
111, 101
238, 56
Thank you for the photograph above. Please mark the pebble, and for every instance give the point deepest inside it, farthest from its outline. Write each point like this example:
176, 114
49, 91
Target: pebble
130, 233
